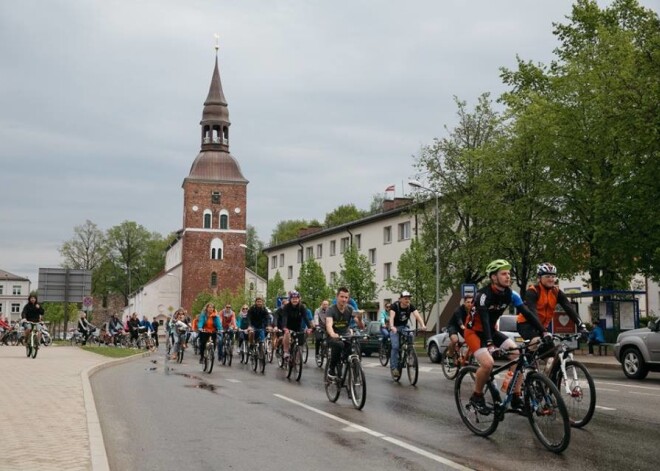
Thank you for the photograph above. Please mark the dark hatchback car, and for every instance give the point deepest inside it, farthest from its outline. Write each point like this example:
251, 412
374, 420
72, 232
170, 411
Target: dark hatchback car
371, 343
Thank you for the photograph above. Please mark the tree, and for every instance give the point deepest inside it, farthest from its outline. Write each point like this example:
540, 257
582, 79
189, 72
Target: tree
275, 288
376, 204
342, 215
357, 275
288, 230
312, 285
254, 254
86, 250
416, 274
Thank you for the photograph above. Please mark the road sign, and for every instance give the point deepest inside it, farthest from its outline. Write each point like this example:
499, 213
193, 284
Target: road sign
468, 290
63, 284
87, 303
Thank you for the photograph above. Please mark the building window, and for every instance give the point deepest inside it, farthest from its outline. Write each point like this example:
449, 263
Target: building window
289, 272
15, 308
300, 257
16, 290
310, 253
273, 261
216, 249
404, 231
215, 197
224, 219
372, 256
333, 248
2, 289
387, 235
214, 279
281, 259
358, 241
387, 271
333, 277
319, 251
1, 308
343, 244
207, 219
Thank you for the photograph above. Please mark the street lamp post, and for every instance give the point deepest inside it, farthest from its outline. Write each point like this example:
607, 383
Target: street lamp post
416, 184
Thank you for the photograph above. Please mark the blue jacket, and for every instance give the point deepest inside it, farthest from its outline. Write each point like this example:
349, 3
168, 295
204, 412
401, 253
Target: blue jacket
202, 320
597, 334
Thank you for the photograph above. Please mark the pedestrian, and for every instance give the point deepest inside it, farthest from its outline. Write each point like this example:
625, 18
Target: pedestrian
154, 327
596, 337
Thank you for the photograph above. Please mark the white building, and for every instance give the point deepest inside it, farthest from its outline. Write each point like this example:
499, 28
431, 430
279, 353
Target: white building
14, 292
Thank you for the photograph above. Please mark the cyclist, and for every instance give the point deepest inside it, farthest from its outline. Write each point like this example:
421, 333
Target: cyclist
208, 325
228, 319
84, 327
134, 326
258, 317
243, 323
179, 330
292, 318
337, 322
32, 312
319, 322
480, 333
384, 319
115, 328
541, 299
400, 313
456, 324
278, 312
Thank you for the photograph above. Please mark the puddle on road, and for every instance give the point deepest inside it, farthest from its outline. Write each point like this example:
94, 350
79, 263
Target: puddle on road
207, 386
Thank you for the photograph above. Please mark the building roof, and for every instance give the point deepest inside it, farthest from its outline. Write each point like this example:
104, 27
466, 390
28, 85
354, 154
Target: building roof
216, 166
5, 275
215, 106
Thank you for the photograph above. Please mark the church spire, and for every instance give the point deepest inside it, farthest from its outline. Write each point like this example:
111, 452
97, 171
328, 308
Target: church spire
215, 117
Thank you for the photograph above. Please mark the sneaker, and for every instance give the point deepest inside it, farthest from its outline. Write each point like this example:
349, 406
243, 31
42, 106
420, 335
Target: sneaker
396, 373
517, 403
332, 373
479, 403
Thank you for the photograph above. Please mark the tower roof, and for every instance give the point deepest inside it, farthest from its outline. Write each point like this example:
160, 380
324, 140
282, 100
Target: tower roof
215, 106
216, 166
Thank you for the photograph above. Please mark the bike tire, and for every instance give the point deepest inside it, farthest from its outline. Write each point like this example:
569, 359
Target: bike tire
229, 352
261, 357
289, 365
35, 346
209, 359
297, 364
580, 403
28, 349
253, 359
280, 356
269, 350
383, 354
412, 366
319, 356
357, 385
332, 388
449, 366
479, 423
546, 412
305, 351
179, 355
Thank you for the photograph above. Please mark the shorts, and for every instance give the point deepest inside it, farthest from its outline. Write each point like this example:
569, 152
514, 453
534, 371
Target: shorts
527, 331
477, 339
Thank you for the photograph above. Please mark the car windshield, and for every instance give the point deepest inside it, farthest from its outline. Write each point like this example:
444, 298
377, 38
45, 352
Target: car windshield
507, 324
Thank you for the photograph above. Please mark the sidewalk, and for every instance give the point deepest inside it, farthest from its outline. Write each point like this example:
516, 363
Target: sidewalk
596, 361
49, 419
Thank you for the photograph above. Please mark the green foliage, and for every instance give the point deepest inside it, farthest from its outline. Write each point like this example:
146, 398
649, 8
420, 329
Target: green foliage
312, 285
275, 289
358, 276
288, 230
416, 273
112, 351
86, 250
200, 301
220, 301
254, 255
343, 214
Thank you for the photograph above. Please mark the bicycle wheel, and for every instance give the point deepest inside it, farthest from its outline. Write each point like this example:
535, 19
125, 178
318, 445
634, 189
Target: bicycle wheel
319, 354
547, 412
332, 388
253, 358
224, 350
261, 356
280, 355
383, 354
28, 349
578, 392
481, 423
449, 365
357, 385
35, 345
297, 364
269, 350
209, 358
179, 354
412, 366
305, 351
229, 351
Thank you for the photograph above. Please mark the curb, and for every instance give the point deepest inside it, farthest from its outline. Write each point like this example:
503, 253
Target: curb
96, 444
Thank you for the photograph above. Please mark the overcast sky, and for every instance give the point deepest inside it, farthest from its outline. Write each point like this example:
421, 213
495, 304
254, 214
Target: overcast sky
100, 103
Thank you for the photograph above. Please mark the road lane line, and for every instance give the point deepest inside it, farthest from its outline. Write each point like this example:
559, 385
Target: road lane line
643, 394
356, 427
622, 385
608, 390
604, 408
231, 380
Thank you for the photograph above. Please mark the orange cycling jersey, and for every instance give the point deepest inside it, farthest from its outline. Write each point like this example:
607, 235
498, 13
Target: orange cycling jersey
545, 305
209, 325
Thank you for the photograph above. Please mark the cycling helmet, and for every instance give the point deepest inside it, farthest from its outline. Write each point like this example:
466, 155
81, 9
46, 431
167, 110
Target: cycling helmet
405, 294
294, 294
497, 265
546, 268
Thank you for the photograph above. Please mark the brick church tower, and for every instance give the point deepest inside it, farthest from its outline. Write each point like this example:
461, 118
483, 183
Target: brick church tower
214, 208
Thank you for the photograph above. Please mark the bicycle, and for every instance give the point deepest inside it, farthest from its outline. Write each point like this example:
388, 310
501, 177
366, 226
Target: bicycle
407, 356
269, 347
227, 347
543, 404
573, 381
208, 355
295, 363
350, 374
243, 348
451, 364
305, 350
321, 353
257, 354
32, 343
384, 351
179, 345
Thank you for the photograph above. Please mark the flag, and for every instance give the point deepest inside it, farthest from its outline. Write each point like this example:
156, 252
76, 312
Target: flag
389, 188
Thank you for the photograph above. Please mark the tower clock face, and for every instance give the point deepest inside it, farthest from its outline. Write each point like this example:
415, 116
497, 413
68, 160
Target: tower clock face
237, 210
195, 208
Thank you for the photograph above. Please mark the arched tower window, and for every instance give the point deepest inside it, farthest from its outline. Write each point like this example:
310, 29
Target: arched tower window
216, 134
208, 216
225, 134
216, 249
206, 135
214, 279
224, 219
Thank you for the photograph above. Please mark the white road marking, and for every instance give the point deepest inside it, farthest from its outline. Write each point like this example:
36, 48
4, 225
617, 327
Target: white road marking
643, 394
352, 427
609, 390
426, 369
231, 380
604, 408
622, 385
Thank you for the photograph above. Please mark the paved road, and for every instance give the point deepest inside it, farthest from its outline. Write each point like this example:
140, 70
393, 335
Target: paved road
164, 416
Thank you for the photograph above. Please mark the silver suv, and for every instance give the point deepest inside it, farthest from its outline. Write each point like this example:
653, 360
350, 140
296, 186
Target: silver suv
638, 350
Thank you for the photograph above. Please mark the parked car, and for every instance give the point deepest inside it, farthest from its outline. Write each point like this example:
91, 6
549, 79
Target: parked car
371, 343
436, 344
638, 350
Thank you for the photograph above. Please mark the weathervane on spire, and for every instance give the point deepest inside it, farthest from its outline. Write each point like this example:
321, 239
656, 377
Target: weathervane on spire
217, 42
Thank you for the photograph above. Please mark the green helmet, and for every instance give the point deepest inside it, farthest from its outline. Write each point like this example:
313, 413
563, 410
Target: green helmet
497, 265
